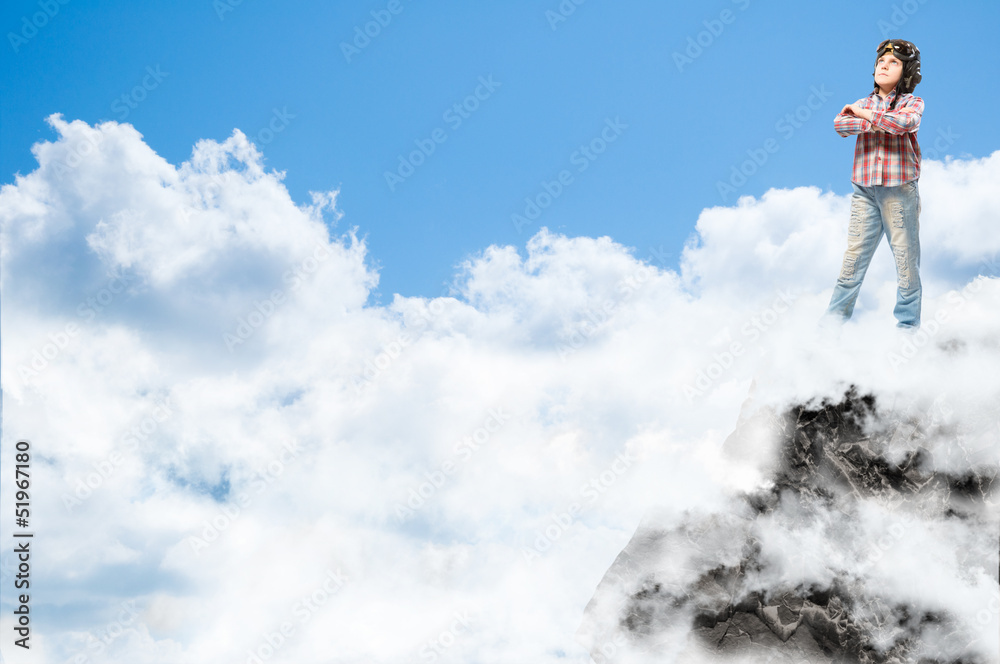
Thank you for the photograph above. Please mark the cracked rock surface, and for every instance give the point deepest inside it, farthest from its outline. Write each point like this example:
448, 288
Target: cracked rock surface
860, 549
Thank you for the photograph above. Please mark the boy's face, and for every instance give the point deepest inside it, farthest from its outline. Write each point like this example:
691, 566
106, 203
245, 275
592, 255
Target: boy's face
888, 70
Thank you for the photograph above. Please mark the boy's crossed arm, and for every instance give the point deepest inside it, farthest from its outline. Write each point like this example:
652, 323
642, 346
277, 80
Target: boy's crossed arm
856, 110
854, 119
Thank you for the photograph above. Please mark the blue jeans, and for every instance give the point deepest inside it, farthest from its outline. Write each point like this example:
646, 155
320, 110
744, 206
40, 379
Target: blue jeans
895, 213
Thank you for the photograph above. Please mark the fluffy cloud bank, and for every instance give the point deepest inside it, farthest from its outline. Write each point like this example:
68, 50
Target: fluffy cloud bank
236, 457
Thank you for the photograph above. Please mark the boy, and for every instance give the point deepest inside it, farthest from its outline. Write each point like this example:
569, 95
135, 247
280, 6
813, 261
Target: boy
886, 169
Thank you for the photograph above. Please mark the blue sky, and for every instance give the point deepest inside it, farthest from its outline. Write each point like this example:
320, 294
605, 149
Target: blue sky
140, 296
343, 124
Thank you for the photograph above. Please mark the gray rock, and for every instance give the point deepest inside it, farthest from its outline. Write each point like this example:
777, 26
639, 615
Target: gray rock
715, 587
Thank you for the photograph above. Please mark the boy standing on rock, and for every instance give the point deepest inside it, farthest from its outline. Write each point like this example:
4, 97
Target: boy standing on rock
886, 170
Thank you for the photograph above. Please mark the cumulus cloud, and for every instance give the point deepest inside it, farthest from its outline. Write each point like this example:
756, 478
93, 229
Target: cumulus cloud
235, 455
797, 236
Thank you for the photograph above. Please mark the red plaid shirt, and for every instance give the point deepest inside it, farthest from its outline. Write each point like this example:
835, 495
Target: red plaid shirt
886, 153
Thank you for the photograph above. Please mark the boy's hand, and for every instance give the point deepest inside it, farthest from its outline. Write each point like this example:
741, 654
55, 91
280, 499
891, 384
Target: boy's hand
856, 111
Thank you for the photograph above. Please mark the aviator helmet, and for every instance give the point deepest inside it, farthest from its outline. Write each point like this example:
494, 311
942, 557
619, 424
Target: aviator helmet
909, 55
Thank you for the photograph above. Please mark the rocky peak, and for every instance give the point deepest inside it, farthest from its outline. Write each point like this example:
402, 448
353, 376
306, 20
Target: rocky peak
859, 548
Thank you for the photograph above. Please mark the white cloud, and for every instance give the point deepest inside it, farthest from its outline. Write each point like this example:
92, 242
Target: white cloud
960, 215
294, 446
